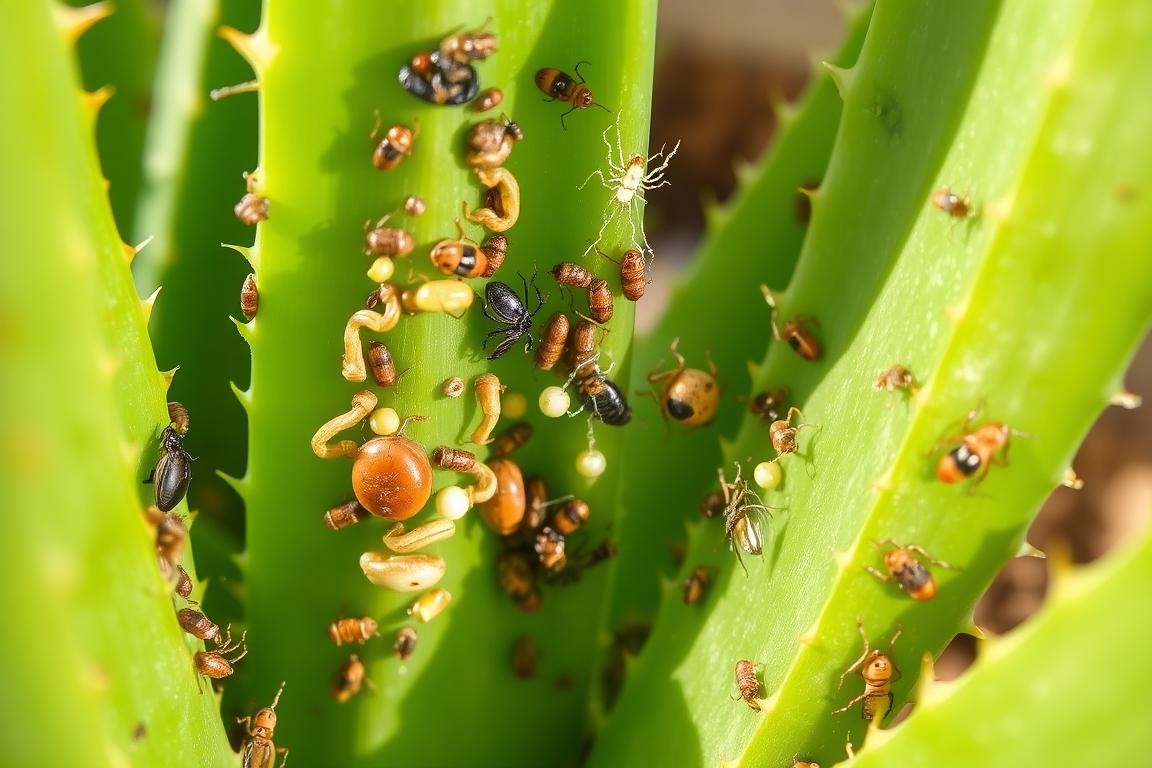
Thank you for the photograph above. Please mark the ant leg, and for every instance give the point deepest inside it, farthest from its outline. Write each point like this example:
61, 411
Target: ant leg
562, 125
877, 574
577, 68
860, 661
851, 704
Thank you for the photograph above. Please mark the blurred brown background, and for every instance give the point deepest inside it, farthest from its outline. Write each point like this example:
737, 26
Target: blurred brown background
717, 74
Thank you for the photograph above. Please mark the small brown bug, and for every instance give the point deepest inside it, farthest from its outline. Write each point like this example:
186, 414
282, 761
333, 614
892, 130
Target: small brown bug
572, 275
430, 605
178, 417
582, 352
405, 644
633, 280
896, 377
697, 584
380, 240
976, 452
879, 673
397, 143
465, 47
454, 387
571, 515
491, 142
518, 579
455, 459
259, 751
689, 395
216, 664
488, 389
599, 300
524, 658
783, 434
249, 297
794, 332
502, 200
381, 365
465, 258
911, 574
504, 511
344, 515
489, 98
511, 439
770, 404
952, 204
348, 679
252, 209
198, 625
562, 86
183, 582
552, 340
353, 630
748, 684
414, 205
549, 546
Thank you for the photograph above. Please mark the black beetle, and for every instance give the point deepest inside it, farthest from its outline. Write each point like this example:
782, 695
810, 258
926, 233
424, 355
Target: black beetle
427, 78
174, 470
510, 313
609, 405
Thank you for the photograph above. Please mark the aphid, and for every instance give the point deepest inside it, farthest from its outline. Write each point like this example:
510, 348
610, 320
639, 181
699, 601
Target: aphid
562, 86
524, 658
414, 205
549, 546
952, 204
405, 644
633, 280
911, 574
770, 404
518, 579
489, 98
689, 395
571, 515
783, 434
353, 630
794, 332
381, 365
430, 605
697, 584
504, 511
879, 673
198, 625
396, 144
503, 307
216, 664
344, 515
488, 389
552, 341
348, 679
573, 275
183, 582
259, 751
740, 527
454, 387
628, 181
172, 472
402, 573
896, 377
249, 297
511, 439
252, 209
599, 300
452, 297
748, 684
439, 80
455, 459
490, 143
502, 200
380, 240
465, 258
976, 452
402, 542
178, 417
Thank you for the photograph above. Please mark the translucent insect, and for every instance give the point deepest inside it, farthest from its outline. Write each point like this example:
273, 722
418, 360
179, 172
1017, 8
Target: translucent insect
628, 179
740, 527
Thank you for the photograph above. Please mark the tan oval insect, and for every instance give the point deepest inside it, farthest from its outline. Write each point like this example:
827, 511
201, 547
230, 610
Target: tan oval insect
387, 241
430, 605
454, 387
259, 751
249, 297
552, 341
349, 679
353, 630
748, 684
455, 459
633, 279
489, 98
381, 365
599, 300
572, 275
402, 573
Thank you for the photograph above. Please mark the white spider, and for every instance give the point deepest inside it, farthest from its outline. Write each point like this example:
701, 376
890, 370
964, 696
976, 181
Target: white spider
628, 181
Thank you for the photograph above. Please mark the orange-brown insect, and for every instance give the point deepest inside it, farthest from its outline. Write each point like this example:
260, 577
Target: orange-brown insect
748, 684
198, 625
573, 275
896, 377
465, 258
879, 673
259, 751
504, 511
178, 417
489, 98
511, 439
344, 515
455, 459
697, 584
976, 451
562, 86
249, 297
570, 516
689, 395
405, 644
794, 332
783, 434
582, 351
633, 280
381, 365
387, 241
952, 204
348, 679
490, 143
552, 341
397, 143
798, 763
353, 630
465, 47
599, 300
252, 209
518, 579
550, 545
183, 582
911, 574
216, 664
414, 205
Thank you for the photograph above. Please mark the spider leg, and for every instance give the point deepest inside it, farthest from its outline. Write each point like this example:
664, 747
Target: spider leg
596, 172
619, 145
667, 159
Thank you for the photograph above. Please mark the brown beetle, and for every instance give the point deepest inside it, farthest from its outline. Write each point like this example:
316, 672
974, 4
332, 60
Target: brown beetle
465, 258
633, 281
216, 664
572, 275
783, 434
793, 332
353, 630
879, 673
387, 241
770, 404
599, 300
748, 684
911, 574
491, 142
195, 623
381, 365
697, 584
397, 143
562, 86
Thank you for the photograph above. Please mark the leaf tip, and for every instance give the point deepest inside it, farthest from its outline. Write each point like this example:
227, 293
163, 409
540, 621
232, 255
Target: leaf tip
843, 77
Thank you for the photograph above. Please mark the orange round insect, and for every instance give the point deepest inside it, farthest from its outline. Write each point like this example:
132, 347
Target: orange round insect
397, 143
391, 477
571, 515
952, 204
911, 574
466, 259
504, 511
689, 395
976, 451
489, 98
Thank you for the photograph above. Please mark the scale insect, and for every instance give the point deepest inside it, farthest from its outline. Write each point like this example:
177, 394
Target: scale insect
628, 178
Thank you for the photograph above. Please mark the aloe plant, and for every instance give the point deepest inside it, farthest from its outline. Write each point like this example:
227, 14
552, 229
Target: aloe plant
1028, 310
